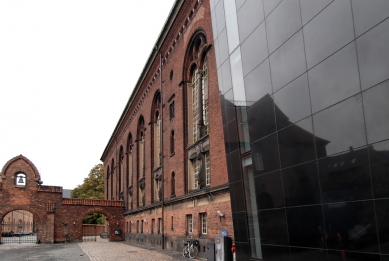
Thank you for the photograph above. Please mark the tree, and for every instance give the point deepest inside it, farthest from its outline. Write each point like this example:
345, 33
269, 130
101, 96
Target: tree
92, 188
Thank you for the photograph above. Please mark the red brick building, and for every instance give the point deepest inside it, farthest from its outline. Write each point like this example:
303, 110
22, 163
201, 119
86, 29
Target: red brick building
166, 156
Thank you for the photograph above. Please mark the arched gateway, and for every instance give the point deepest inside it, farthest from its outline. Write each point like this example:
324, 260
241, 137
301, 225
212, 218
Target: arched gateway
55, 219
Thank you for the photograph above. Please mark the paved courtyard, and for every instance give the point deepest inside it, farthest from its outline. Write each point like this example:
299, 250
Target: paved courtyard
102, 250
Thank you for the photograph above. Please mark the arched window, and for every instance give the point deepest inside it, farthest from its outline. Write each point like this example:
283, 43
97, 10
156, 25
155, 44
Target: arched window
141, 162
197, 75
120, 188
129, 171
173, 185
112, 178
156, 151
172, 142
107, 184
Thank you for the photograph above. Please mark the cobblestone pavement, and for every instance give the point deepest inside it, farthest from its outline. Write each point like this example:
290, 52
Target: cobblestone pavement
121, 251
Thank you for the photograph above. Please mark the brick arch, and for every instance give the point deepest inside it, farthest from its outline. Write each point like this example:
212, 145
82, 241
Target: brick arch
14, 159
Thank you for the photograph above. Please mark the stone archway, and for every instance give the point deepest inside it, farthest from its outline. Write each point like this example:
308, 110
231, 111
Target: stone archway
55, 219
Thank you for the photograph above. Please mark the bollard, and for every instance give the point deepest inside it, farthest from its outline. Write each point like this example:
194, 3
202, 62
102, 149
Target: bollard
233, 250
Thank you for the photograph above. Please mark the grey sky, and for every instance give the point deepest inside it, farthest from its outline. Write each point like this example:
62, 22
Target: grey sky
67, 69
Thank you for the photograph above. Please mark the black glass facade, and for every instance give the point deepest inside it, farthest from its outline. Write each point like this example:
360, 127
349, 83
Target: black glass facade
305, 101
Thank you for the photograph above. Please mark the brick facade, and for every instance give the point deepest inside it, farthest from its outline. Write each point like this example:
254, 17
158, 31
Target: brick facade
184, 45
55, 219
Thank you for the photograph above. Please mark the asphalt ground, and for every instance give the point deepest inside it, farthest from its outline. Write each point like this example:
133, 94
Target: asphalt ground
101, 250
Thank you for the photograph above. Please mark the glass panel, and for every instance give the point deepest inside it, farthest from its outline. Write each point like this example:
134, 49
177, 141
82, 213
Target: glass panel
226, 74
230, 107
262, 121
288, 62
270, 5
258, 83
310, 8
328, 32
254, 49
233, 138
292, 102
265, 155
239, 4
250, 15
269, 191
379, 163
237, 78
223, 46
252, 211
243, 129
354, 256
306, 227
375, 101
301, 185
273, 227
275, 253
351, 226
373, 55
299, 254
221, 22
345, 177
218, 63
282, 23
382, 209
214, 24
232, 25
335, 79
297, 143
340, 127
369, 13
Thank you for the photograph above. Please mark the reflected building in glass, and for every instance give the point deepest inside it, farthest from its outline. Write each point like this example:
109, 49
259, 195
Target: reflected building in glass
304, 89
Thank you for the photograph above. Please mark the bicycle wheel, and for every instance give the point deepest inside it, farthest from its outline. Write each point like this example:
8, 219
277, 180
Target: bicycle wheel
185, 251
193, 251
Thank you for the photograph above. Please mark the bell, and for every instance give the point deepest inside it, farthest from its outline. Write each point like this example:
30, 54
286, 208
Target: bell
20, 180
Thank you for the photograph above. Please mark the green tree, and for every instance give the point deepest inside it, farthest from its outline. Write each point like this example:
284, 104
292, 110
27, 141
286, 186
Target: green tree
92, 188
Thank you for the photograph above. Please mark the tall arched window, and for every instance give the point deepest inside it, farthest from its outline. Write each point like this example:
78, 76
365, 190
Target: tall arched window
141, 162
107, 184
173, 185
112, 178
120, 172
172, 142
156, 150
197, 74
129, 171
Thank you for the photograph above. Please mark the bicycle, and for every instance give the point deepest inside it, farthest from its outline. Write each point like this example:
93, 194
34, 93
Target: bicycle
190, 249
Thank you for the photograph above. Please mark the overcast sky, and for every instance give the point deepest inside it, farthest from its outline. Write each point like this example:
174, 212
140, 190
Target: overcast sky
67, 69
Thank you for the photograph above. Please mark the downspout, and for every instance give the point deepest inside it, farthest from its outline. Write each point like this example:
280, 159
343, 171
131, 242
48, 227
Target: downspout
162, 151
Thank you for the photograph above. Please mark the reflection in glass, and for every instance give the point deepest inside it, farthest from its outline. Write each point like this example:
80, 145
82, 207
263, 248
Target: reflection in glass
265, 155
237, 78
341, 125
346, 176
382, 209
262, 121
243, 129
379, 162
301, 185
269, 191
258, 83
351, 226
252, 212
292, 102
376, 105
232, 25
297, 143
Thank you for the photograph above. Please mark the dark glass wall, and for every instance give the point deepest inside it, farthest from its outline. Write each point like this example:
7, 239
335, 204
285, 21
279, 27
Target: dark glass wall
305, 100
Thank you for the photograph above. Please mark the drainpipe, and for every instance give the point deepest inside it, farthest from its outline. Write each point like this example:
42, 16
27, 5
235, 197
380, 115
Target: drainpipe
162, 151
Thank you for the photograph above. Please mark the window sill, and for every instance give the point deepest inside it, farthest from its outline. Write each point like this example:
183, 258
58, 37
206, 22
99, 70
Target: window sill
171, 155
